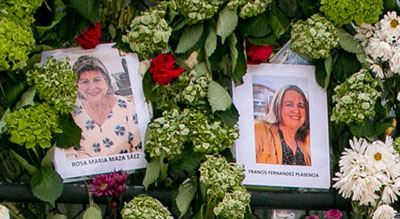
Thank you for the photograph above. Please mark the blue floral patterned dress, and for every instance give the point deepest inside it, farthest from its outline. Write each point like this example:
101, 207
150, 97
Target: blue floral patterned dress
118, 134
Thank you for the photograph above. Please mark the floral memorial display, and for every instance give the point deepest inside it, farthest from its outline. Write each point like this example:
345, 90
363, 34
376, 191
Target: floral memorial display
193, 54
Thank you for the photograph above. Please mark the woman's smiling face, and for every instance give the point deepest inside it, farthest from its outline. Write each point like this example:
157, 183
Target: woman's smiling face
293, 111
92, 85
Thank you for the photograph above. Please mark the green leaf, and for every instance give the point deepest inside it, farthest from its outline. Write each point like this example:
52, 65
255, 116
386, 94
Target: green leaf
349, 43
328, 68
47, 185
346, 65
14, 89
278, 21
27, 98
48, 158
229, 117
56, 216
268, 40
211, 42
189, 160
241, 66
89, 9
255, 27
148, 85
233, 50
227, 22
40, 30
153, 171
71, 133
186, 193
320, 72
201, 68
92, 213
29, 167
289, 7
190, 36
218, 97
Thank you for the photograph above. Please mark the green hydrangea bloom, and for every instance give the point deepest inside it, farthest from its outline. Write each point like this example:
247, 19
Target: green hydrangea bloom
195, 93
55, 83
32, 126
197, 11
355, 98
22, 9
168, 135
207, 134
249, 8
396, 144
341, 12
314, 37
144, 206
219, 176
234, 204
149, 33
16, 42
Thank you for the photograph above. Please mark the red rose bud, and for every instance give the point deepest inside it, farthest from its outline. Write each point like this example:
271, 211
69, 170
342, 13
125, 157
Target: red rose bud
91, 37
258, 54
163, 69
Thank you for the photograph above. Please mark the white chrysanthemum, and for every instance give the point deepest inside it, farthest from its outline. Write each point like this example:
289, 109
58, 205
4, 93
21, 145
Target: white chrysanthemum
390, 26
394, 62
390, 193
377, 69
384, 212
380, 156
364, 32
379, 50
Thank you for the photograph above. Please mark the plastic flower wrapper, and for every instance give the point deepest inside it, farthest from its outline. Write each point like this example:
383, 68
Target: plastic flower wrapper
149, 33
109, 185
249, 8
234, 204
197, 11
33, 126
16, 41
355, 98
219, 176
342, 12
55, 83
207, 134
369, 173
144, 206
380, 42
167, 135
314, 37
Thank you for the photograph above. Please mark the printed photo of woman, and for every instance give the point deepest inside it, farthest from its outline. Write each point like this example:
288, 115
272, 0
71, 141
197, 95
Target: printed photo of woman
108, 121
283, 135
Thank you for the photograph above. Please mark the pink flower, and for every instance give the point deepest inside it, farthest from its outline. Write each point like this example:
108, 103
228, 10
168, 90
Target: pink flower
109, 184
312, 217
333, 214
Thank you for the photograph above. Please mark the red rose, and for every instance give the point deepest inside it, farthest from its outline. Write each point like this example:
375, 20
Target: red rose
257, 54
163, 69
91, 37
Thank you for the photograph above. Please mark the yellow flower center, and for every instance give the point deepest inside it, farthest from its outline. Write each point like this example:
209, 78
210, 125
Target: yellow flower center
394, 23
103, 186
378, 156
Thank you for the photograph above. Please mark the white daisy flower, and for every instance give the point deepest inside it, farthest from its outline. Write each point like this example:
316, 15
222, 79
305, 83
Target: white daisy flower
380, 156
384, 212
390, 26
377, 69
390, 193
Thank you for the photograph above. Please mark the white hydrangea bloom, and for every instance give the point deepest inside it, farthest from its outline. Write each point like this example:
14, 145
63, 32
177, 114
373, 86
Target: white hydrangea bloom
4, 212
384, 212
